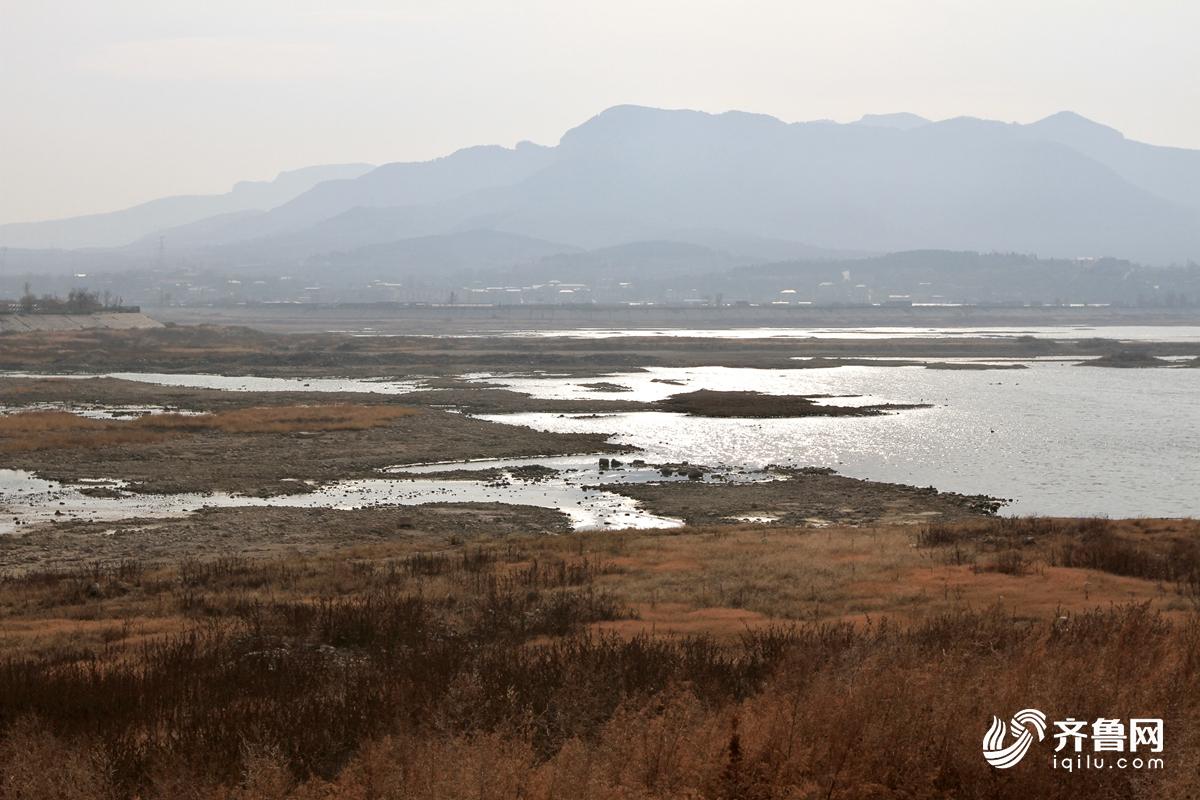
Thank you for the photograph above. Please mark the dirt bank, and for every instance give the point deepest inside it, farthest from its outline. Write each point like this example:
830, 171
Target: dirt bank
216, 532
1127, 359
397, 318
707, 403
21, 323
805, 497
465, 396
279, 463
240, 351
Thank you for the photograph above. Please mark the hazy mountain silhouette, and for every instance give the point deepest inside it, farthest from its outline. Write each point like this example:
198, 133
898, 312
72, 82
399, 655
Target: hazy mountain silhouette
1060, 187
882, 184
1172, 173
412, 184
468, 250
122, 227
634, 262
901, 121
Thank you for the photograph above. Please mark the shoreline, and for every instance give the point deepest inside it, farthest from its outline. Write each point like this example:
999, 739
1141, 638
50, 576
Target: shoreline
399, 318
445, 424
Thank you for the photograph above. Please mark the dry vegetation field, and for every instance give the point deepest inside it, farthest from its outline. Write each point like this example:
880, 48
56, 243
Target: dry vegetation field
448, 652
730, 662
52, 430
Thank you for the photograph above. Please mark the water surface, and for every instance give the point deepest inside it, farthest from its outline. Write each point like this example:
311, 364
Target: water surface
1128, 333
1055, 438
573, 489
246, 383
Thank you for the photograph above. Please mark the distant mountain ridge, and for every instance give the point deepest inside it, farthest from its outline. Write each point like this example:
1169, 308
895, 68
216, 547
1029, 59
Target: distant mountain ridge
1061, 187
116, 228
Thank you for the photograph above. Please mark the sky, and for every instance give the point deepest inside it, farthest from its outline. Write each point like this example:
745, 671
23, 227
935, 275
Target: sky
107, 104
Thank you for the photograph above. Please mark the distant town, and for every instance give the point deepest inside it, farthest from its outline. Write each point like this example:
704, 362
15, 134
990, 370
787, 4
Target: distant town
923, 278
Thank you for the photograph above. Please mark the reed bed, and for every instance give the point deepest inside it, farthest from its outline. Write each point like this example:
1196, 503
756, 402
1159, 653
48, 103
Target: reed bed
489, 671
49, 430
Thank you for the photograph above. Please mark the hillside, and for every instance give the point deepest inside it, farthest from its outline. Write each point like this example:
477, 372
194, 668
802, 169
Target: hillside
127, 225
882, 184
746, 184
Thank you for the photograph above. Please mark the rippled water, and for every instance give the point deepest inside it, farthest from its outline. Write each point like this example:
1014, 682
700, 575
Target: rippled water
1139, 333
1055, 438
248, 383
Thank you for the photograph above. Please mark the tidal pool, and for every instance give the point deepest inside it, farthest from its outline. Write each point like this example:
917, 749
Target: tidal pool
97, 410
572, 487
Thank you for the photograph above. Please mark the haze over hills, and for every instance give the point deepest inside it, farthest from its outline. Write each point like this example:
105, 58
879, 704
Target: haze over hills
479, 250
747, 187
118, 228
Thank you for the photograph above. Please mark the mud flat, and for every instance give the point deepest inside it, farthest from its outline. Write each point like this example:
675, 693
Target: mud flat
798, 499
708, 403
811, 497
213, 532
446, 383
242, 351
267, 463
83, 392
395, 318
1127, 359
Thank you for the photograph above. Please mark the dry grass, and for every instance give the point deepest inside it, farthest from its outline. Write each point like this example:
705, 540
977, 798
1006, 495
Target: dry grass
747, 663
45, 430
856, 574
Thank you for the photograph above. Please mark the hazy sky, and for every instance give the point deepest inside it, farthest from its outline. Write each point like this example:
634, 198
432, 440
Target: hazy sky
107, 103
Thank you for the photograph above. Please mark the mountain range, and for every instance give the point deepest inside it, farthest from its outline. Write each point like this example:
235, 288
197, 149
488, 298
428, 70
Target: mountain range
117, 228
743, 187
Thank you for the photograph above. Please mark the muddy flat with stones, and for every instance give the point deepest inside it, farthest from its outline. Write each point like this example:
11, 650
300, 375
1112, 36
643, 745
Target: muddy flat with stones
425, 407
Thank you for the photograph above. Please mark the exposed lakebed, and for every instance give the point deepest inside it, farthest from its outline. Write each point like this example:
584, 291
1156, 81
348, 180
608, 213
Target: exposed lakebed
1054, 439
570, 484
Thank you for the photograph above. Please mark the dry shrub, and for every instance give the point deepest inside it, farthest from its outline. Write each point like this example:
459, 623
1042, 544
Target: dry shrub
47, 430
875, 713
476, 672
1006, 562
1087, 542
288, 419
1178, 560
942, 534
1005, 530
817, 710
52, 430
35, 765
